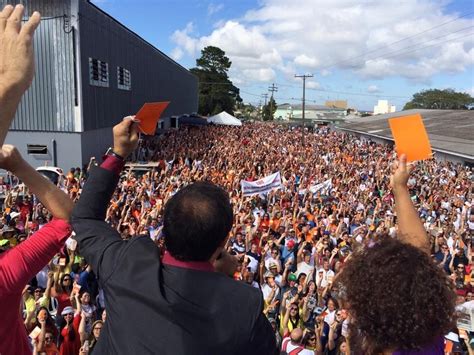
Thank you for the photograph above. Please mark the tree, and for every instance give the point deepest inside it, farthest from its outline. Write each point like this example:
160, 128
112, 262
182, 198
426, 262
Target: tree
269, 110
447, 99
216, 91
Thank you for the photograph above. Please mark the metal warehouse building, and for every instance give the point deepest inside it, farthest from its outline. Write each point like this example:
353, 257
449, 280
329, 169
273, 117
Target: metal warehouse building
91, 71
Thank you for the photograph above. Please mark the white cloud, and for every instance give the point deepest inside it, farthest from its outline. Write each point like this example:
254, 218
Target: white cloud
304, 61
177, 53
287, 37
313, 85
325, 72
262, 74
373, 89
214, 8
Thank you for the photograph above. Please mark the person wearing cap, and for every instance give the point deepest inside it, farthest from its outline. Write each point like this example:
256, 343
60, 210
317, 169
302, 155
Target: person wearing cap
287, 251
270, 291
69, 337
21, 263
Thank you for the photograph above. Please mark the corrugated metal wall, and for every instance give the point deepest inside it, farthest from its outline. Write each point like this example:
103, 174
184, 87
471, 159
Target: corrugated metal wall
49, 103
154, 76
47, 8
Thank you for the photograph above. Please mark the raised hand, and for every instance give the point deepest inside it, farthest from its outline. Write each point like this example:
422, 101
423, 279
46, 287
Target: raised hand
401, 173
17, 65
125, 136
10, 158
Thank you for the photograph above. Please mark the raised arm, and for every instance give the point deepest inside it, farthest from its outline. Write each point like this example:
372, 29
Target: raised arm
411, 230
99, 243
55, 200
17, 65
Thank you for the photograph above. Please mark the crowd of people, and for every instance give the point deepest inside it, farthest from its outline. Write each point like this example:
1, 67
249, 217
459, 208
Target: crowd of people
348, 255
290, 243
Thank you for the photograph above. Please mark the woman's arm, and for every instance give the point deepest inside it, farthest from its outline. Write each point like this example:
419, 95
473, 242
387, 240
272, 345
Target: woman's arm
41, 335
55, 200
82, 328
411, 230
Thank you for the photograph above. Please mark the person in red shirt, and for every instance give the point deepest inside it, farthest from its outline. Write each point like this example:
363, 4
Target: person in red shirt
70, 340
23, 262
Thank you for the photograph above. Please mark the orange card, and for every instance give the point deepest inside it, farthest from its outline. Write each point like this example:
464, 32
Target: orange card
410, 137
448, 347
149, 115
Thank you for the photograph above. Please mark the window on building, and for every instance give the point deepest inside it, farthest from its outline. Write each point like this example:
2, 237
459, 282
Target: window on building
98, 72
37, 149
124, 79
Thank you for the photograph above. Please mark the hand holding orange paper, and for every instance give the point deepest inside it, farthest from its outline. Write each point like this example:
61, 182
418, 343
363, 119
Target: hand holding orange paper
410, 137
149, 115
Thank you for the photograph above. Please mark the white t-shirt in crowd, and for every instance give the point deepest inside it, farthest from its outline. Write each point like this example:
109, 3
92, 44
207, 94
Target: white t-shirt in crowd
253, 264
326, 277
266, 290
288, 346
303, 268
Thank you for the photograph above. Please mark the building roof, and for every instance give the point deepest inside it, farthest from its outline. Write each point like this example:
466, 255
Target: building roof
308, 107
450, 131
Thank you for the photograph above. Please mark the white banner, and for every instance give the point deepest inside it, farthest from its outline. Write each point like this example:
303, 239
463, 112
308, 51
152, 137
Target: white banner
326, 185
262, 186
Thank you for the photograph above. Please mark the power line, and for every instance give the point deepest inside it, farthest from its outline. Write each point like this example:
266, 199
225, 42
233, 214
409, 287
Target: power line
398, 41
383, 56
431, 45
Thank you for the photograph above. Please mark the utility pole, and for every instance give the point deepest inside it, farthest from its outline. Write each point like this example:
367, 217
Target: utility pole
265, 96
273, 89
304, 89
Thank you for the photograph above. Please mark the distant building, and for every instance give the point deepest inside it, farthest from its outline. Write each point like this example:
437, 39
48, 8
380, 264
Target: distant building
336, 104
91, 71
313, 113
383, 107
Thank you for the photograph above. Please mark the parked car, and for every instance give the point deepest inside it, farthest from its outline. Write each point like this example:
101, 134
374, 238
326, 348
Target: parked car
53, 174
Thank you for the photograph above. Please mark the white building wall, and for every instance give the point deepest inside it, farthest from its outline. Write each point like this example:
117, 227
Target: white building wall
383, 107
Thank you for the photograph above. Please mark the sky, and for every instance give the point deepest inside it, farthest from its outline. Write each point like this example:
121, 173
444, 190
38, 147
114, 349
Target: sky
357, 50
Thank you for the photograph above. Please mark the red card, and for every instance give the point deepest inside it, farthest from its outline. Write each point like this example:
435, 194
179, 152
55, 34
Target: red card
149, 115
410, 137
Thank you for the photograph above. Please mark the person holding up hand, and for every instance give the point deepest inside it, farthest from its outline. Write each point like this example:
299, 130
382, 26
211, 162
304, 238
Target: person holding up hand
399, 300
180, 304
20, 264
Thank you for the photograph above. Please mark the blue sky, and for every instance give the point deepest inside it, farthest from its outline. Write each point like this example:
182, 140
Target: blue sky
359, 50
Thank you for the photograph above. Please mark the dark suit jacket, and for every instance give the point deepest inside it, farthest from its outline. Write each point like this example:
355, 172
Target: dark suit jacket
154, 308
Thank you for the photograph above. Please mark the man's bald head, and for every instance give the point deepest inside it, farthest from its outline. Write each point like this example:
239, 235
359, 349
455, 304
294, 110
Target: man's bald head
296, 335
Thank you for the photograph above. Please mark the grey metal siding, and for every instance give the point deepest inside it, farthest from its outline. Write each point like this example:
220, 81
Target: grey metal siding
49, 103
47, 8
68, 147
154, 76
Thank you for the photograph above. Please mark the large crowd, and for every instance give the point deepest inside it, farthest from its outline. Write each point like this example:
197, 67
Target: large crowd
353, 252
290, 243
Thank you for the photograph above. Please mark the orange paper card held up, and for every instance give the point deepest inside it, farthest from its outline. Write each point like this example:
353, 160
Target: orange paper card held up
149, 115
410, 137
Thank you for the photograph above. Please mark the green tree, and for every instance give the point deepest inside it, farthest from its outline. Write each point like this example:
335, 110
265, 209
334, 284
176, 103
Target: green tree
269, 110
216, 91
447, 99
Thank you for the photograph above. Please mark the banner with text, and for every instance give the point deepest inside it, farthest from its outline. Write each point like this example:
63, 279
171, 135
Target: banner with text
324, 186
262, 186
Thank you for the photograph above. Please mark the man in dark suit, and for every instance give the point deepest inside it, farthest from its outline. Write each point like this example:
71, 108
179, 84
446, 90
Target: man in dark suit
178, 305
